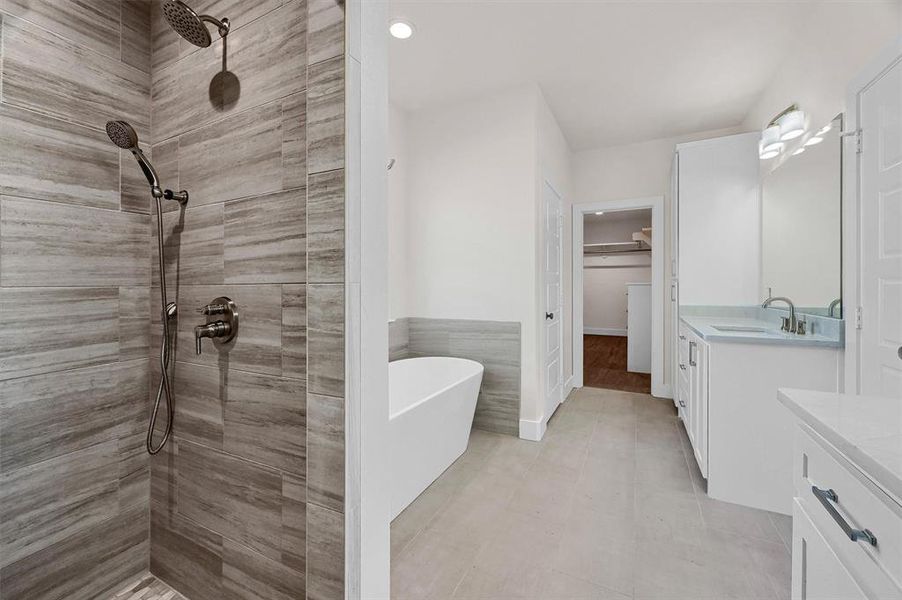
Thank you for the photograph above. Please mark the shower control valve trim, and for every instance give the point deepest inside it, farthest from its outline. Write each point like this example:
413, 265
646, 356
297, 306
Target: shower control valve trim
223, 329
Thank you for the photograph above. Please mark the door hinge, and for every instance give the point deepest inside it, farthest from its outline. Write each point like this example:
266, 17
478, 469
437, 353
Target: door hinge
858, 317
858, 136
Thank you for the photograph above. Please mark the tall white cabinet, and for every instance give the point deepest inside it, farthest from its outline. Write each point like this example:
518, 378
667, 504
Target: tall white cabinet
716, 220
718, 209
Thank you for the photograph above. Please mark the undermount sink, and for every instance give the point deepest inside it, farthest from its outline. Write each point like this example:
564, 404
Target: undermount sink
741, 328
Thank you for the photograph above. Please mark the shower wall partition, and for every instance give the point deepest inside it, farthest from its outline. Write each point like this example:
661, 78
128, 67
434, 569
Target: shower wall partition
253, 127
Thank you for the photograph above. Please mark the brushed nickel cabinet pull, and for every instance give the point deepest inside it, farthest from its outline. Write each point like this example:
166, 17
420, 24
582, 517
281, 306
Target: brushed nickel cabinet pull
827, 498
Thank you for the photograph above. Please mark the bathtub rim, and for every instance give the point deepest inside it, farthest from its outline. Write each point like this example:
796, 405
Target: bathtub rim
442, 390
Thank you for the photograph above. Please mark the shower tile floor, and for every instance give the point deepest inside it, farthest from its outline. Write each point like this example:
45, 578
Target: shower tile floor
610, 505
147, 587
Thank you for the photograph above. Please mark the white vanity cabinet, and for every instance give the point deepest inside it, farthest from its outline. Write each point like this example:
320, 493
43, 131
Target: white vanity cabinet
740, 434
846, 483
693, 393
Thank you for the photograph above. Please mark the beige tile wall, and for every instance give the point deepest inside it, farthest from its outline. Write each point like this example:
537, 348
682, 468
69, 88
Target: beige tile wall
74, 299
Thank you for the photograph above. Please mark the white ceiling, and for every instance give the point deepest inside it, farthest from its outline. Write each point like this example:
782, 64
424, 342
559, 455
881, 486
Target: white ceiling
612, 72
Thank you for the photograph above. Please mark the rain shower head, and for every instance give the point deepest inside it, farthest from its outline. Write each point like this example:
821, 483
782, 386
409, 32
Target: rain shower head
190, 25
123, 135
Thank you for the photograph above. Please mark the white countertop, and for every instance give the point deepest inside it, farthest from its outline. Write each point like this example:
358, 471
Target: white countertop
867, 429
707, 328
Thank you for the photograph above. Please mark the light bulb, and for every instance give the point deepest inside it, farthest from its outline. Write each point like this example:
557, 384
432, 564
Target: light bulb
770, 140
792, 125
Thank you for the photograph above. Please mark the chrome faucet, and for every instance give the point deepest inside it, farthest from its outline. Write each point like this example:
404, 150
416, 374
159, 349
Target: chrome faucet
790, 324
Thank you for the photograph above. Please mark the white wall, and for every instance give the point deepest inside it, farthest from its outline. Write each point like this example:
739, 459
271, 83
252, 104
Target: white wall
472, 217
398, 209
834, 43
604, 288
464, 205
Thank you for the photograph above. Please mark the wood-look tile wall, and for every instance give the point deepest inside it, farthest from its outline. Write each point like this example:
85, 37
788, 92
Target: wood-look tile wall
248, 498
74, 299
495, 344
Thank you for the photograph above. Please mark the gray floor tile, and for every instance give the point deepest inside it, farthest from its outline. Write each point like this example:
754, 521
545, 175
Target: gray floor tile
609, 505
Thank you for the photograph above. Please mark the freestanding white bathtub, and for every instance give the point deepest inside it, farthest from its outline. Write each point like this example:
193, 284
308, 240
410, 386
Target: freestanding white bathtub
432, 402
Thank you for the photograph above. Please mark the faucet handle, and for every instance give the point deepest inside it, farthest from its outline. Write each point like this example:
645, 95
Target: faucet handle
801, 325
216, 329
787, 325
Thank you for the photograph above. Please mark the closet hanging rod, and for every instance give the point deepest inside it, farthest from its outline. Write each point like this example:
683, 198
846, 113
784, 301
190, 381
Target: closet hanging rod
614, 266
607, 252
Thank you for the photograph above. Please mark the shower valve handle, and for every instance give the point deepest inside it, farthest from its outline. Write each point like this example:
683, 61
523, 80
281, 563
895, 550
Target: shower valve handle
216, 329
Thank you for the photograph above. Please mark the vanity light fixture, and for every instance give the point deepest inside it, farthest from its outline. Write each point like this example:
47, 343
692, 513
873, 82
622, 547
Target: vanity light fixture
400, 29
788, 125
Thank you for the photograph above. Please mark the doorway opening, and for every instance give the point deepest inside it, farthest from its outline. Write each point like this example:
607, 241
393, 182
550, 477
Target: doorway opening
617, 252
618, 308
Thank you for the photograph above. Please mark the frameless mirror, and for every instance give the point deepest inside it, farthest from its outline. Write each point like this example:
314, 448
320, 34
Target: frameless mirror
801, 225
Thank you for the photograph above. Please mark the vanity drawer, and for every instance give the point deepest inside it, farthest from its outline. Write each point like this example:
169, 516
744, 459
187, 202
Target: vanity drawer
859, 503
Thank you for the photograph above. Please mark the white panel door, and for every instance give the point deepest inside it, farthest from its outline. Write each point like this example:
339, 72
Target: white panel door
881, 235
554, 335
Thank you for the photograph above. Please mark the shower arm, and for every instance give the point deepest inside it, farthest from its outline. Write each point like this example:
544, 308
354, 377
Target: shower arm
222, 25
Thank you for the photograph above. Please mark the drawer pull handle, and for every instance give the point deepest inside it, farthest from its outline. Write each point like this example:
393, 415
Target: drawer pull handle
827, 498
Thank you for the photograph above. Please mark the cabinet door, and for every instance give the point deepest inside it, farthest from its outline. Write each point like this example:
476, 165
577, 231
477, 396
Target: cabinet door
817, 573
693, 390
701, 406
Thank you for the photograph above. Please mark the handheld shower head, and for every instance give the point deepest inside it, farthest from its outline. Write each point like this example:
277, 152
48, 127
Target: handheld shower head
190, 25
123, 135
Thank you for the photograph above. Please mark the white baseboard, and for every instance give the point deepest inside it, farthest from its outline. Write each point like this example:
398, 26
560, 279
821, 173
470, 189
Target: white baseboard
662, 391
603, 331
532, 430
568, 387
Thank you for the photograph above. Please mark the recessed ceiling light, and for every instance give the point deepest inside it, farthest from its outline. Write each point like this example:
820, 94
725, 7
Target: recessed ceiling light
601, 212
400, 29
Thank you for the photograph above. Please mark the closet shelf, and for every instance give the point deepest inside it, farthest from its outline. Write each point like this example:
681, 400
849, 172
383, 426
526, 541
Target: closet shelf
604, 248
